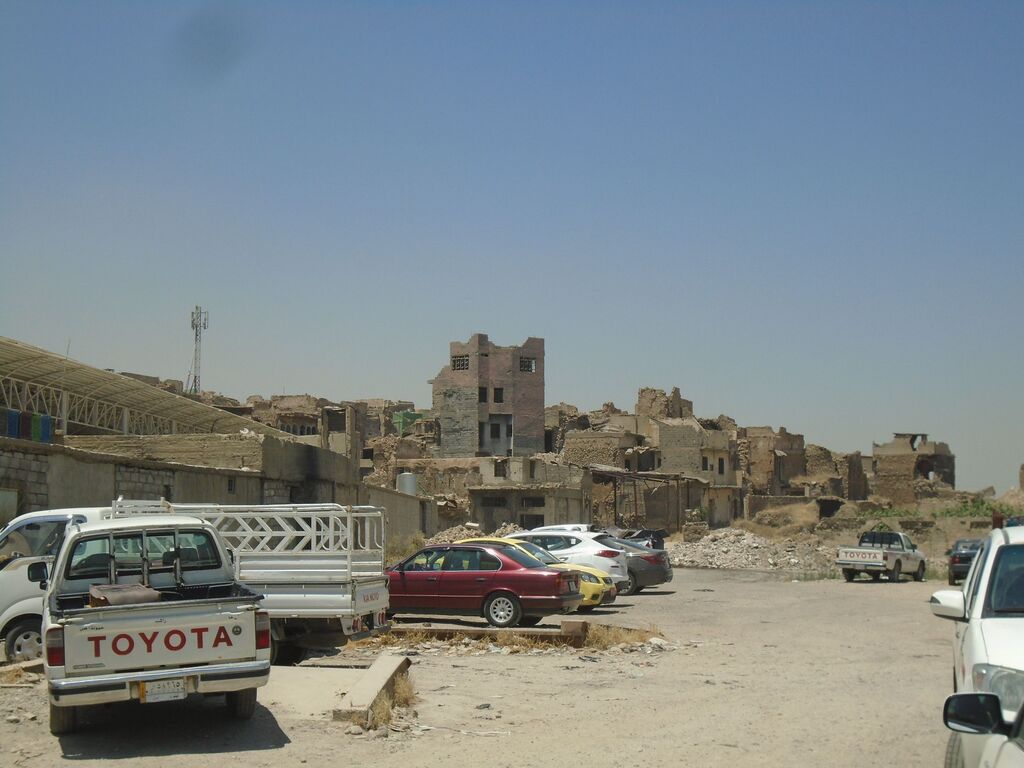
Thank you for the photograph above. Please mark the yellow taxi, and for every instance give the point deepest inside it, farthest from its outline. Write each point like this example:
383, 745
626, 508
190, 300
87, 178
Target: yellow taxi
596, 586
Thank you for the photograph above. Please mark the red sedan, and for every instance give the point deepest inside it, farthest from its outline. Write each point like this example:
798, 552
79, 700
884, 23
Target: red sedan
505, 585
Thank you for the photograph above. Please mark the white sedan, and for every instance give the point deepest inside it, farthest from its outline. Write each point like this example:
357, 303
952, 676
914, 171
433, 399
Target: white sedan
580, 547
988, 638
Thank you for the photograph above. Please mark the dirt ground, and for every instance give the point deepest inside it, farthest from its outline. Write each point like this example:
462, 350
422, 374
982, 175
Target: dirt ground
768, 672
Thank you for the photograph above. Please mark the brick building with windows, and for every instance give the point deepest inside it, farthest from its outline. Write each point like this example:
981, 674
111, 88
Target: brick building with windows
489, 400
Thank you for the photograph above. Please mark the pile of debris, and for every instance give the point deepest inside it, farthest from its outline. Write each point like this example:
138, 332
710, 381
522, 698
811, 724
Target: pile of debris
471, 531
736, 548
456, 533
508, 646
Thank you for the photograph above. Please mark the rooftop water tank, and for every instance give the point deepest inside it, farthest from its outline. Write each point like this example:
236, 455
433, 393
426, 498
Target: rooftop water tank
406, 483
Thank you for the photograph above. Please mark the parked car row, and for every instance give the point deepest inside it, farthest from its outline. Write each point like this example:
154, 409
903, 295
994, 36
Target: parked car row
520, 579
988, 654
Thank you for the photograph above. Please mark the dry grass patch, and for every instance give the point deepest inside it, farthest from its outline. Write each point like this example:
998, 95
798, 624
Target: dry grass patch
404, 694
523, 643
601, 637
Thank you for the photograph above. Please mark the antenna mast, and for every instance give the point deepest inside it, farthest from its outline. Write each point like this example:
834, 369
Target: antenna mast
200, 322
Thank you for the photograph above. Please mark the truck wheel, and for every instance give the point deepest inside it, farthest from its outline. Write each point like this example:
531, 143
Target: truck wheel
954, 752
63, 720
849, 574
25, 641
952, 580
894, 574
919, 573
502, 610
242, 704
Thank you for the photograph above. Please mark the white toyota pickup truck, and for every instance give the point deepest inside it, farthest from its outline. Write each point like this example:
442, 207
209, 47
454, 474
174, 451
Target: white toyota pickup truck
147, 608
880, 552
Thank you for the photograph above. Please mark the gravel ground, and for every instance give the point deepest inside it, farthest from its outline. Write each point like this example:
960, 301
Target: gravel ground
764, 672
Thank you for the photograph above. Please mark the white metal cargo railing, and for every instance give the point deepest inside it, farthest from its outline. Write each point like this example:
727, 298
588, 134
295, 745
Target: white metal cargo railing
283, 531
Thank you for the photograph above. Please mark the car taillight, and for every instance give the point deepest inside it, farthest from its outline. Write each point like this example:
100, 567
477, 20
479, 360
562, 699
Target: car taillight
262, 630
652, 559
566, 585
55, 647
607, 553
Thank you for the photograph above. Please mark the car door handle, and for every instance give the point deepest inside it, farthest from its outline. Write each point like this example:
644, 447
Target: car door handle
431, 578
481, 578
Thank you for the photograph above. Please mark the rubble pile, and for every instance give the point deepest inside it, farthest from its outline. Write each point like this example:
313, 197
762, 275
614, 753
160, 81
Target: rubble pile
482, 647
459, 532
736, 548
456, 533
506, 529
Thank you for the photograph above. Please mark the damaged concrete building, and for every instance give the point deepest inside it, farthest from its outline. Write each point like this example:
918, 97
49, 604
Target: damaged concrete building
489, 400
530, 492
905, 467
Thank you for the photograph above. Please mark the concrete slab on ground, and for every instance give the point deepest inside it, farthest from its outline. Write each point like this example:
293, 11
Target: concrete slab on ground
307, 692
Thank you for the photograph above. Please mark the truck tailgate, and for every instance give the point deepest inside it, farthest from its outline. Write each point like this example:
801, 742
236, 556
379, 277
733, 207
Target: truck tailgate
132, 638
861, 555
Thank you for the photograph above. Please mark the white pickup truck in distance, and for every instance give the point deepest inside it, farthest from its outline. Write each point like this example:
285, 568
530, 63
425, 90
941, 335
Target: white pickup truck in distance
880, 552
147, 608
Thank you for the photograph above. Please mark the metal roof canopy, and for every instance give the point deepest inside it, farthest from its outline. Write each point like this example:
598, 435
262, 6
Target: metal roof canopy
32, 379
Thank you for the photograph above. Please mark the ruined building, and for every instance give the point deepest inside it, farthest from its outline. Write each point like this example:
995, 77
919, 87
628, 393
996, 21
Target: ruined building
910, 458
489, 400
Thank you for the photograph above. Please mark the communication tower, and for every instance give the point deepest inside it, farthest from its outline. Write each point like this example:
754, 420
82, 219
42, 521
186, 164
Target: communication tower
200, 322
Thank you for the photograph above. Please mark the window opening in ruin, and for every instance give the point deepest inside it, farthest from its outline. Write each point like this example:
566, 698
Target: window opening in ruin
368, 453
531, 520
494, 501
460, 362
533, 470
533, 501
549, 440
704, 463
495, 431
721, 465
499, 395
482, 394
528, 365
501, 468
231, 484
167, 492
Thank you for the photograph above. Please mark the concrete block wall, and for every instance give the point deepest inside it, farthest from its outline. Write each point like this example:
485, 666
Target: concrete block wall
25, 472
137, 483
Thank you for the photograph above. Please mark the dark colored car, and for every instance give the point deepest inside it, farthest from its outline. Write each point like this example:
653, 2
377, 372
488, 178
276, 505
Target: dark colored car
961, 555
652, 538
504, 585
646, 567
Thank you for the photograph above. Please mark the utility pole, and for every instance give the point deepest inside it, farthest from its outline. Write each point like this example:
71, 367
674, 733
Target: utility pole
200, 322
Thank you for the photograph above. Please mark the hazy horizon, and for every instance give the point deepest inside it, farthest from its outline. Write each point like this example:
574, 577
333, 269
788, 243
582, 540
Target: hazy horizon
806, 215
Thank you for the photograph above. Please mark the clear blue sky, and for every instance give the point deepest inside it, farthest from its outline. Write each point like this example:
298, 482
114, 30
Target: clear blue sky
808, 213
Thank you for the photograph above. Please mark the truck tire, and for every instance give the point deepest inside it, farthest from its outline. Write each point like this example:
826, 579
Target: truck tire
63, 720
919, 573
849, 574
502, 610
954, 752
952, 579
894, 574
242, 704
24, 641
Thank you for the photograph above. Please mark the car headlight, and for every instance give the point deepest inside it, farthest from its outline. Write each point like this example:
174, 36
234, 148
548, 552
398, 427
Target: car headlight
591, 578
1006, 683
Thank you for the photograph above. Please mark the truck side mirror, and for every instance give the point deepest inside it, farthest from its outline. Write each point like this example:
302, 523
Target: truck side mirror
974, 713
37, 572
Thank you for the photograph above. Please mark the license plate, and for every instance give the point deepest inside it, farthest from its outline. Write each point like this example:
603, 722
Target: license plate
162, 690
